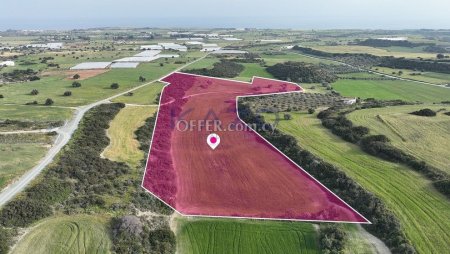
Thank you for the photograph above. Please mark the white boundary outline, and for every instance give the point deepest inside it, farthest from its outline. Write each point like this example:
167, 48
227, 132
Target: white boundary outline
237, 114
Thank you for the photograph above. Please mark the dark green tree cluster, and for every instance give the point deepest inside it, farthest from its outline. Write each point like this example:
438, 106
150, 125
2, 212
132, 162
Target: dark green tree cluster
222, 69
301, 72
332, 238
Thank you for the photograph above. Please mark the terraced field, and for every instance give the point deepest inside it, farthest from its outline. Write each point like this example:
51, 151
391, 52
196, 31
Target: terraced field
423, 212
391, 89
392, 51
427, 138
66, 235
244, 236
123, 146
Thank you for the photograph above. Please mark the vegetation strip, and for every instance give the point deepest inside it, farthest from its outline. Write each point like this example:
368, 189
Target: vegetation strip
385, 225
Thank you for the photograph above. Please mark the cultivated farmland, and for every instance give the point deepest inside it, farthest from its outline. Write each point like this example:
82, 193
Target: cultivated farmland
426, 138
67, 234
422, 211
243, 236
391, 90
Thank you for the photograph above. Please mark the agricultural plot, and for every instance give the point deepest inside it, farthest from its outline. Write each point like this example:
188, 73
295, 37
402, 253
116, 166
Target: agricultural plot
33, 113
67, 234
292, 101
91, 89
431, 77
375, 51
123, 146
147, 95
426, 138
19, 153
391, 90
219, 176
422, 211
241, 236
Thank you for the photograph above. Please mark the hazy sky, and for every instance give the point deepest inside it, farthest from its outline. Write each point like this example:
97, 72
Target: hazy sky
315, 14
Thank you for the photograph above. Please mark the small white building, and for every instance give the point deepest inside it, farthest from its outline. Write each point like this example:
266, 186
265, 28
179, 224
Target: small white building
231, 39
7, 63
349, 101
172, 46
51, 45
210, 47
148, 53
91, 66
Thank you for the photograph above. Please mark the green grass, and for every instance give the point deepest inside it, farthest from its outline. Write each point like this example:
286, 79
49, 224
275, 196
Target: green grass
427, 138
123, 146
34, 113
422, 211
245, 236
391, 89
356, 243
144, 96
92, 89
65, 235
393, 51
253, 69
430, 77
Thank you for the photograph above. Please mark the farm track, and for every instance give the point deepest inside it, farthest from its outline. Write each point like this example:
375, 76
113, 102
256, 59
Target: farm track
64, 134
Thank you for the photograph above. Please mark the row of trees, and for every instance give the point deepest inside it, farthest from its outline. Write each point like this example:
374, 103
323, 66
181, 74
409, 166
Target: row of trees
301, 72
384, 223
379, 145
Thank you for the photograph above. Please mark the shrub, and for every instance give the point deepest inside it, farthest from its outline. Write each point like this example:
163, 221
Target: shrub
67, 93
23, 212
311, 111
31, 103
114, 86
424, 112
142, 79
76, 76
1, 96
34, 92
76, 84
332, 238
287, 117
49, 102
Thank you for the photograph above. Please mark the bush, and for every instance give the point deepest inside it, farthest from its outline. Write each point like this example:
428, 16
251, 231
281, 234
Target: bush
76, 76
332, 238
5, 240
287, 117
1, 96
67, 93
49, 102
424, 112
23, 212
301, 72
142, 79
114, 86
311, 111
34, 92
31, 103
76, 84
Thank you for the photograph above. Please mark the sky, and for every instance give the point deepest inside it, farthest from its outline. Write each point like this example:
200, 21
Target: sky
296, 14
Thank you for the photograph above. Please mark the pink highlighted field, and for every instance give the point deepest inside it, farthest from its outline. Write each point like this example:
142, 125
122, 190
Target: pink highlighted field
245, 176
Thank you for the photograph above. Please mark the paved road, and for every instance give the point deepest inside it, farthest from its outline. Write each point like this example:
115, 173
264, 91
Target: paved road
64, 134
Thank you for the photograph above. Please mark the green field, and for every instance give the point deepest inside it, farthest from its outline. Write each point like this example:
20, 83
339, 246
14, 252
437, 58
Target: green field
245, 236
430, 77
251, 70
392, 51
144, 96
65, 235
423, 212
123, 146
16, 159
391, 89
92, 89
427, 138
34, 113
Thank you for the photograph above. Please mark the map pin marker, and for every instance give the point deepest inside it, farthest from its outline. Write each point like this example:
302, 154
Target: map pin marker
213, 140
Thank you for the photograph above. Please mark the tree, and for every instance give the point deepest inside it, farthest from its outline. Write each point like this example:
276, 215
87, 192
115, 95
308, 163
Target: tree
311, 111
287, 117
49, 102
161, 64
76, 76
1, 96
76, 84
142, 79
440, 56
114, 86
67, 93
34, 92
